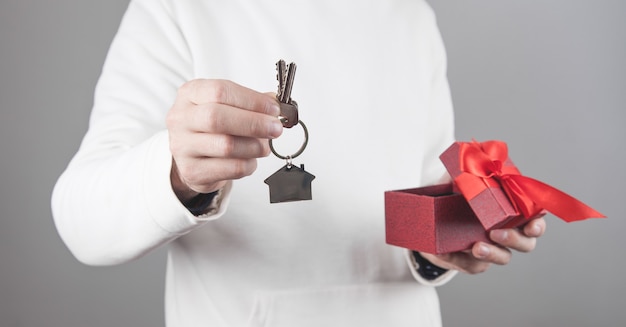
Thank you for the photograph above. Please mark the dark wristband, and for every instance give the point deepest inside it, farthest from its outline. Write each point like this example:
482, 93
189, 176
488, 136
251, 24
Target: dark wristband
199, 203
426, 269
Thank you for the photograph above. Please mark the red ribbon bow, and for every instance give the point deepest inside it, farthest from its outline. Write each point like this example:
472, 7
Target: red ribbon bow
483, 165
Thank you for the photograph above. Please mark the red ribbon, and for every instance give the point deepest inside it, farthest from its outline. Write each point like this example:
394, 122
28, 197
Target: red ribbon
484, 165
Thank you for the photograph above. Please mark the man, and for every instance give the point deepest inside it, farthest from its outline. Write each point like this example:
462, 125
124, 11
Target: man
174, 147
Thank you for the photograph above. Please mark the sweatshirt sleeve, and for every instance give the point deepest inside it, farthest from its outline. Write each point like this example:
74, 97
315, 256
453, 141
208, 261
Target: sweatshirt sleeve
114, 202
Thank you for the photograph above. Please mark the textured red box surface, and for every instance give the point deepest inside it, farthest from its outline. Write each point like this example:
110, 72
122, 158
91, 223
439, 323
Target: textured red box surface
431, 219
491, 206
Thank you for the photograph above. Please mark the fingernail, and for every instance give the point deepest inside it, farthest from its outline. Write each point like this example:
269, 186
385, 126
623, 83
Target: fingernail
499, 235
483, 251
276, 128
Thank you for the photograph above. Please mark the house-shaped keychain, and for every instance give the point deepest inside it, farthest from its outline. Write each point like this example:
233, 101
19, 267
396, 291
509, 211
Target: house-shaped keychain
290, 183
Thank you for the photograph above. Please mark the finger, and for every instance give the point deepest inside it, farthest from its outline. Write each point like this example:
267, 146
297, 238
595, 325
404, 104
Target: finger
461, 261
201, 175
535, 228
491, 253
203, 91
204, 145
223, 119
514, 239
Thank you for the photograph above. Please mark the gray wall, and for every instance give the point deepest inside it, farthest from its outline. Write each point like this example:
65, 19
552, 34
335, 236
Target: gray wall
547, 77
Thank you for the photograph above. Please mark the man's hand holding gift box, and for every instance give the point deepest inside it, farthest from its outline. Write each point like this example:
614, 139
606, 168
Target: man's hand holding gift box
489, 201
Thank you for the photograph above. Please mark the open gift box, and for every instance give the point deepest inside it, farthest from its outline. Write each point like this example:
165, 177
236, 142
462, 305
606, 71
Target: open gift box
431, 219
493, 194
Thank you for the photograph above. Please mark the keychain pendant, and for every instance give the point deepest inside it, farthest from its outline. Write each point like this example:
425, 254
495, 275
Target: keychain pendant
290, 183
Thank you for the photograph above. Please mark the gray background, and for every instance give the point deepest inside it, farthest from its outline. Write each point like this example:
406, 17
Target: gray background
547, 77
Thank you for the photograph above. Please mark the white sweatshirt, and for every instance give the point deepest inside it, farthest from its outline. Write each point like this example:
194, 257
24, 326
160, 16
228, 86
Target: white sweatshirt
371, 87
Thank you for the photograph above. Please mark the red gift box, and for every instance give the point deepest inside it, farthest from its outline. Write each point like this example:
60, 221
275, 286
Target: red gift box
493, 195
431, 219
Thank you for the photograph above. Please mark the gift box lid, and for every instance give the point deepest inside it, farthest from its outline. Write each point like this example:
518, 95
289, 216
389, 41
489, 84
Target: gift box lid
499, 195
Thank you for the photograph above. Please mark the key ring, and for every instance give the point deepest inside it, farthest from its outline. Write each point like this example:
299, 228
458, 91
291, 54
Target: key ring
299, 152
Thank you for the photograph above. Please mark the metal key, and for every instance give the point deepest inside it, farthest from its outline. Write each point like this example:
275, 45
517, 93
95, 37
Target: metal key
288, 107
281, 75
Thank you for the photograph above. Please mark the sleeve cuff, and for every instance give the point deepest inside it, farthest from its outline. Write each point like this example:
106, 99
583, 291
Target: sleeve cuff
202, 203
442, 279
